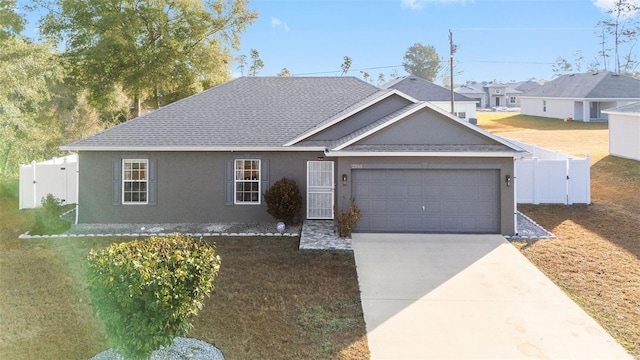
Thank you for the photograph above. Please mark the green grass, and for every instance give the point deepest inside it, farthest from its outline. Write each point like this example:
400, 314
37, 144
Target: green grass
271, 300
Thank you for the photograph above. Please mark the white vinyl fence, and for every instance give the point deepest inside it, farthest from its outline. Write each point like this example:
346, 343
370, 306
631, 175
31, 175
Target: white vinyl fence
57, 176
551, 177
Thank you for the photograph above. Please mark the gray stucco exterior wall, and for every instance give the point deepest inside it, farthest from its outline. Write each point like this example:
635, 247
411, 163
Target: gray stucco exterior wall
345, 165
190, 186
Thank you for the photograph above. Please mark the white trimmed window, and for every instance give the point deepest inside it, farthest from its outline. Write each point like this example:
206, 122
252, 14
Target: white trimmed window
512, 100
135, 180
498, 91
247, 181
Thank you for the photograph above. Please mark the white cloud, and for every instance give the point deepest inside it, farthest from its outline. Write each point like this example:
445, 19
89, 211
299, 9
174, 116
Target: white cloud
419, 4
275, 22
608, 5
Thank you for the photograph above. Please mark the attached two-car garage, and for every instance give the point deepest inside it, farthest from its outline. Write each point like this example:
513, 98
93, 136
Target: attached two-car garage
427, 200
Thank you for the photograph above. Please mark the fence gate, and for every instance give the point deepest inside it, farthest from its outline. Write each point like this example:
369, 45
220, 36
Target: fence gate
57, 176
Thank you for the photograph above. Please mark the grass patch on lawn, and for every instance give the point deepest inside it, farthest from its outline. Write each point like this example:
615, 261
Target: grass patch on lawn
576, 138
595, 258
271, 301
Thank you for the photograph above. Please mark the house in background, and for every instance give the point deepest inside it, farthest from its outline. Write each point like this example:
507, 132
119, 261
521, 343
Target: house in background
493, 94
624, 131
581, 96
409, 165
423, 90
475, 91
515, 90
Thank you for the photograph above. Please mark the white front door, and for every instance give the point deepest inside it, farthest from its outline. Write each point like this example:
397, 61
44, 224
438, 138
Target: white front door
320, 188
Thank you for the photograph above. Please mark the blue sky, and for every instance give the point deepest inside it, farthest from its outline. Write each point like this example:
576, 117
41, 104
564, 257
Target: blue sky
500, 40
497, 40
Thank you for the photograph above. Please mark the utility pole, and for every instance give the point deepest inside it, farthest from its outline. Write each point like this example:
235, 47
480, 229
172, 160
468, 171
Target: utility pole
452, 50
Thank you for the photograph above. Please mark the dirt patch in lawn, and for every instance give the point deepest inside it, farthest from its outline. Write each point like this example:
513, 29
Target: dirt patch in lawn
596, 255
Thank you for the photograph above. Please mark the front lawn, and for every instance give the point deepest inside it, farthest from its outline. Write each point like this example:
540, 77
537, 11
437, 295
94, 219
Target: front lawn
271, 300
595, 258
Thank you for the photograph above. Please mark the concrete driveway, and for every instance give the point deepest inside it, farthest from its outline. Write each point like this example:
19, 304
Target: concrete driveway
467, 297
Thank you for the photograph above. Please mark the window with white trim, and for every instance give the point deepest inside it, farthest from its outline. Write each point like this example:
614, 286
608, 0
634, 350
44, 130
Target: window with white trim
135, 179
512, 100
247, 181
498, 91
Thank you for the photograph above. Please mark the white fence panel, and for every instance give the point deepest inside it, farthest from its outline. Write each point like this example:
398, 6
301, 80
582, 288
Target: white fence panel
551, 177
579, 181
525, 180
550, 181
56, 176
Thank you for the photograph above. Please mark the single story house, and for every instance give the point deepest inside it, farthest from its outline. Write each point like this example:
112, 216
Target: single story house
493, 94
581, 96
407, 164
515, 90
475, 91
624, 131
423, 90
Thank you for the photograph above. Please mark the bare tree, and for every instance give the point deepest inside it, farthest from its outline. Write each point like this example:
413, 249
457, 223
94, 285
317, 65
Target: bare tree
623, 29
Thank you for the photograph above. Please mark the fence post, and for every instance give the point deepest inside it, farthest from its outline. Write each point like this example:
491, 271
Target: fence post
535, 180
567, 189
35, 186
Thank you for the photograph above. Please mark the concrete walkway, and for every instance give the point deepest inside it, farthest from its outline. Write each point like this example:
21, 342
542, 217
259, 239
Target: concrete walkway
467, 297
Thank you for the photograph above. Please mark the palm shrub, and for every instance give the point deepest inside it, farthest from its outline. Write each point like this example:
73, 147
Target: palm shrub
147, 292
284, 201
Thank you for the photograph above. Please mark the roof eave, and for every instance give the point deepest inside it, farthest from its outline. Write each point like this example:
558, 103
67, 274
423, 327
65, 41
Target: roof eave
195, 148
475, 154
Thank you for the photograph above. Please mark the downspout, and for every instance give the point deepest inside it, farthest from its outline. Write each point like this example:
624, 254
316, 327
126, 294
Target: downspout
515, 197
77, 189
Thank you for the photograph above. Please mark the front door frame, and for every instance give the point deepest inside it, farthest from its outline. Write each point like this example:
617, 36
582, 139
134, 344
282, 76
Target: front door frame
320, 189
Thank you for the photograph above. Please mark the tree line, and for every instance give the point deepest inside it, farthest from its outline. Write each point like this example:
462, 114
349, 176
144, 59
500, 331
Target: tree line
102, 62
617, 37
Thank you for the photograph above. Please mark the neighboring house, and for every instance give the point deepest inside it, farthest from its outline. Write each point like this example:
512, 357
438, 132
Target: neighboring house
515, 90
475, 91
423, 90
581, 96
496, 94
624, 131
490, 94
408, 165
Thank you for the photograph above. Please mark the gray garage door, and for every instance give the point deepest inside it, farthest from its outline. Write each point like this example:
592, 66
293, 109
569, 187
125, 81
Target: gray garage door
447, 201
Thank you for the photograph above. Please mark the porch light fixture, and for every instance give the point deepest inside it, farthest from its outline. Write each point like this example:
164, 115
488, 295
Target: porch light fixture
344, 179
507, 179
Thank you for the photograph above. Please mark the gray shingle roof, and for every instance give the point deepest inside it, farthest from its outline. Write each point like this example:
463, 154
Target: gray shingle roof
245, 112
633, 108
423, 90
599, 85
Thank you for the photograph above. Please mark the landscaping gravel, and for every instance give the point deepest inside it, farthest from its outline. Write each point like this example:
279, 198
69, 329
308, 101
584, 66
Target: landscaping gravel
529, 229
184, 228
182, 348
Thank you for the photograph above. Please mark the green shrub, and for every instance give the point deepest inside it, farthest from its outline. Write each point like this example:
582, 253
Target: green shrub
47, 217
147, 292
284, 201
347, 220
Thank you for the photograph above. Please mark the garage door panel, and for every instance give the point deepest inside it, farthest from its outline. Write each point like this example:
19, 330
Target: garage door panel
429, 200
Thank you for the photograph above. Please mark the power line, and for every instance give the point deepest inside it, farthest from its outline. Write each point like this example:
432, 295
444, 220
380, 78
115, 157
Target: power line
396, 66
525, 29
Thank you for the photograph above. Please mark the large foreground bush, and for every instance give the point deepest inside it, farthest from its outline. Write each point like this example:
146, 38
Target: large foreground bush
147, 292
